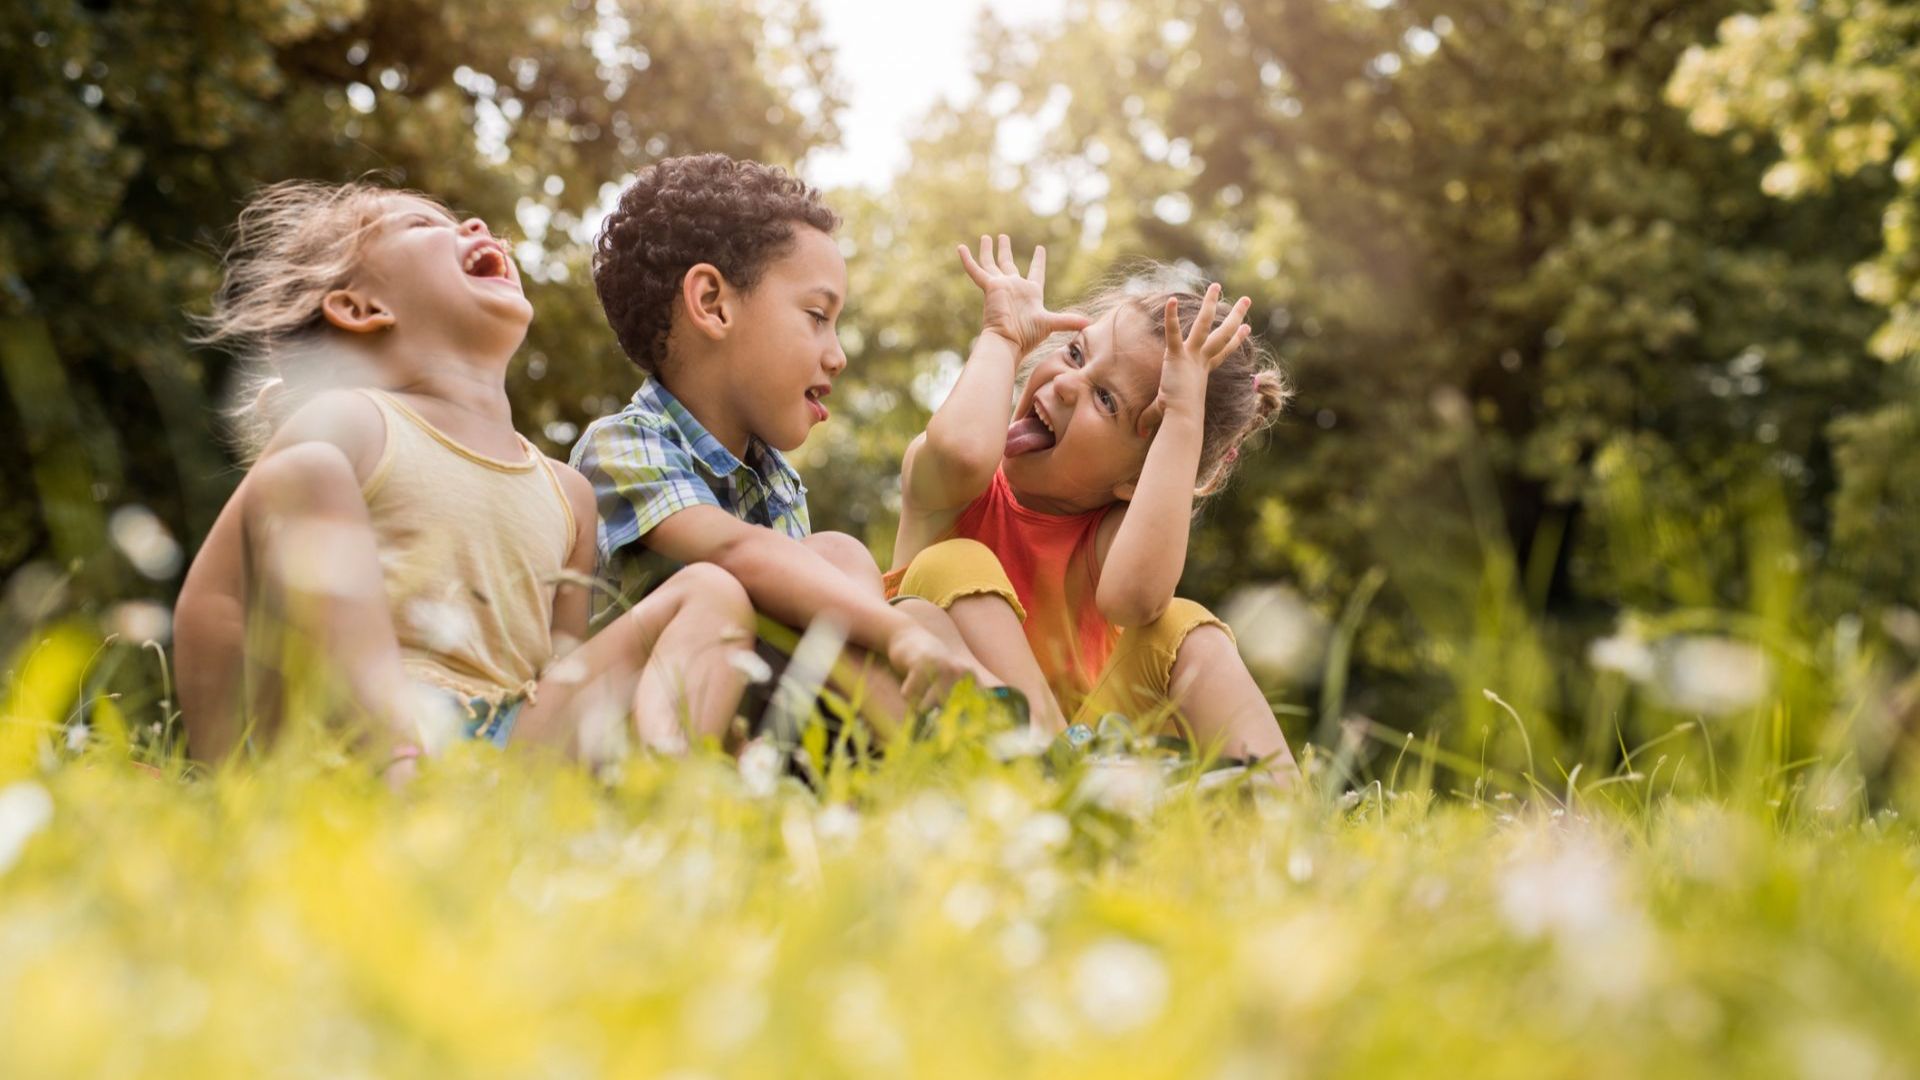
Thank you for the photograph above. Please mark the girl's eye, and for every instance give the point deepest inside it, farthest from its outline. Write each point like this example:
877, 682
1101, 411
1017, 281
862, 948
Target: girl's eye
1107, 402
1073, 354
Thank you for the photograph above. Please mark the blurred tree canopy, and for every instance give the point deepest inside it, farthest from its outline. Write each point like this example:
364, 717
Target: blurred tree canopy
1595, 307
1561, 354
134, 129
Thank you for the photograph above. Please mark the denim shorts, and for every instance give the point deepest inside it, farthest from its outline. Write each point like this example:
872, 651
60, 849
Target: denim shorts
486, 719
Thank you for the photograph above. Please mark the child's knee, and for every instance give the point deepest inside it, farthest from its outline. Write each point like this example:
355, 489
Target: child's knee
714, 590
953, 570
847, 554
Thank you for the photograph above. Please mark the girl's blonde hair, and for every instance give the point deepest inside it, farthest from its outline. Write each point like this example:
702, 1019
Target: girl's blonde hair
1245, 394
294, 242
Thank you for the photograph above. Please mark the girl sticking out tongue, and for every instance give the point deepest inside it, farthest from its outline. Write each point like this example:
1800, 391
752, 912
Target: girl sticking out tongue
1057, 547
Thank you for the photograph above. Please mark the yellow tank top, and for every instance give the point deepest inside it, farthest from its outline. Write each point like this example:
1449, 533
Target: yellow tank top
472, 549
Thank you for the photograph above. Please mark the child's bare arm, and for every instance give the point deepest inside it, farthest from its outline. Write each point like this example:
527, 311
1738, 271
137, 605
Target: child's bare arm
572, 599
794, 584
954, 460
1143, 553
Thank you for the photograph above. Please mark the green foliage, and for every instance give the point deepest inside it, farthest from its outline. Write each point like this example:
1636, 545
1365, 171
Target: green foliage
1504, 272
133, 132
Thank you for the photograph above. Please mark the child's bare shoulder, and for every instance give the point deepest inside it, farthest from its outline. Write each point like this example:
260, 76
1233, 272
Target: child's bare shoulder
347, 419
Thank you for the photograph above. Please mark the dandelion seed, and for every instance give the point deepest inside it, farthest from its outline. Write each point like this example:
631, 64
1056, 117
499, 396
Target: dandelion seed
1622, 654
760, 766
967, 904
1022, 945
145, 541
1119, 985
1122, 786
141, 621
748, 663
1016, 743
25, 809
724, 1015
1299, 865
838, 824
862, 1023
1712, 675
1035, 840
77, 736
442, 625
1280, 637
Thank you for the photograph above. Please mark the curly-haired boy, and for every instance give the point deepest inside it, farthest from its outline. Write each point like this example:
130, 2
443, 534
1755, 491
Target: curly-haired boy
723, 283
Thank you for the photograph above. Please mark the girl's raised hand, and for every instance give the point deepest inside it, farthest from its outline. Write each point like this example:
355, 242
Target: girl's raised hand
1015, 307
1191, 359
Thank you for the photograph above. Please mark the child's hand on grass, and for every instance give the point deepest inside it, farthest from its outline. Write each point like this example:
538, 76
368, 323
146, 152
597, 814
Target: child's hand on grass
1015, 307
1191, 359
928, 668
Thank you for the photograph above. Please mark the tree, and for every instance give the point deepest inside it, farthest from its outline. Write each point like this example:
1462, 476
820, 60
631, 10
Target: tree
1503, 271
135, 129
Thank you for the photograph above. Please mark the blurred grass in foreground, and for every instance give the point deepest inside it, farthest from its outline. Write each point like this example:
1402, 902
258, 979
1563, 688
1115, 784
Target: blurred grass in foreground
941, 913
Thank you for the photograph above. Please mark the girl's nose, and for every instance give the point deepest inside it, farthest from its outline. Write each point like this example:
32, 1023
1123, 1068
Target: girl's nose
475, 226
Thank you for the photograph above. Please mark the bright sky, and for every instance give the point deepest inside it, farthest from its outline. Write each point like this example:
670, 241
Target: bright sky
896, 60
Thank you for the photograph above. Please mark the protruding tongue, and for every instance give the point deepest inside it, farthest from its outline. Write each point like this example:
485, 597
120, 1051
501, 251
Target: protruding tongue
1027, 435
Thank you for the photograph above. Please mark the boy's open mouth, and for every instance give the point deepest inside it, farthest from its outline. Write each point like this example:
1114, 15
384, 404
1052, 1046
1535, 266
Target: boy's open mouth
486, 261
1030, 433
814, 394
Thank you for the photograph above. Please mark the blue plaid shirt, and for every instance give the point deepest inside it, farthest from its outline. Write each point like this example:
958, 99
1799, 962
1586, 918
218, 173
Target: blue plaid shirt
652, 459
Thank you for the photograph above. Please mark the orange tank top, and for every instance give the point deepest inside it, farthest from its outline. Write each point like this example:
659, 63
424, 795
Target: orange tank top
1049, 560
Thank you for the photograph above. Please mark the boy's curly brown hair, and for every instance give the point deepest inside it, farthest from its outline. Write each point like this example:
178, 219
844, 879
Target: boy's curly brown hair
677, 213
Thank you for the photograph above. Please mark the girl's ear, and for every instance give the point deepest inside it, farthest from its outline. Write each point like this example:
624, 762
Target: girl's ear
705, 300
354, 312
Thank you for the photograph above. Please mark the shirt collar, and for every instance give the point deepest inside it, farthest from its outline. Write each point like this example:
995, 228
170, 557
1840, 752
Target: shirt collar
762, 460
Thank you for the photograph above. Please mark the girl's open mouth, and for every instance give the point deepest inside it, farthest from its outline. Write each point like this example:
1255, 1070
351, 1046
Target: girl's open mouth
487, 261
1029, 434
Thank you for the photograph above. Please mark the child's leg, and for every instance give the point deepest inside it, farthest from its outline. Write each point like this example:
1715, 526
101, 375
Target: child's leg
965, 580
1186, 661
294, 545
861, 676
667, 663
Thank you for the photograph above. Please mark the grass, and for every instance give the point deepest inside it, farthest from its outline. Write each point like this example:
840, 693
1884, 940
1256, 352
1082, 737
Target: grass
943, 912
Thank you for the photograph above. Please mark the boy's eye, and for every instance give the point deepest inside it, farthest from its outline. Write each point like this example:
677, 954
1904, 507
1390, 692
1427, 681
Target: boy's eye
819, 317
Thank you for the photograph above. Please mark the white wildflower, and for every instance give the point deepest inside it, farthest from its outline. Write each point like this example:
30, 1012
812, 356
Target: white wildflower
760, 766
1622, 654
1022, 945
141, 621
1122, 785
145, 541
25, 809
967, 904
1713, 675
1034, 840
838, 824
1280, 637
1021, 742
1120, 985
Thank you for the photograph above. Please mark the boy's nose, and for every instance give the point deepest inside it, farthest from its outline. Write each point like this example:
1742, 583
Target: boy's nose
836, 358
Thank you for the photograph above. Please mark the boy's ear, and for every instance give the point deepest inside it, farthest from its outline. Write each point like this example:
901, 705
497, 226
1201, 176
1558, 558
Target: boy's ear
706, 300
1124, 489
355, 312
